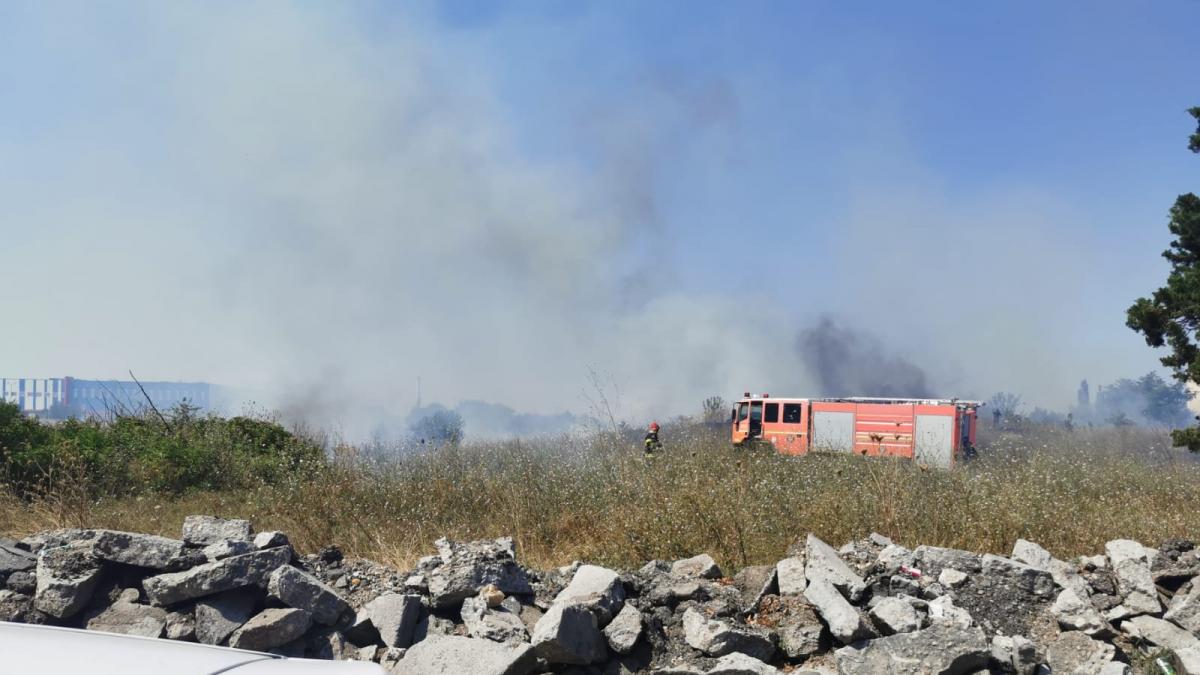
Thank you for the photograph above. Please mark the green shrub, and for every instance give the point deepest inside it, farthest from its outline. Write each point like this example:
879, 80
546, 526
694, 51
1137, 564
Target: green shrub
145, 453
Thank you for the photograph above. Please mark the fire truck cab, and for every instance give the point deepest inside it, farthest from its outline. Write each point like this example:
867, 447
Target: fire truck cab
935, 432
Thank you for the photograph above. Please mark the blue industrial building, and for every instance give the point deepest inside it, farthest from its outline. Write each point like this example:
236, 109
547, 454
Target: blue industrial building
63, 397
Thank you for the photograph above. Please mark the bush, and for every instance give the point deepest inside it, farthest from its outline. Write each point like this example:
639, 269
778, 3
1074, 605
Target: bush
144, 453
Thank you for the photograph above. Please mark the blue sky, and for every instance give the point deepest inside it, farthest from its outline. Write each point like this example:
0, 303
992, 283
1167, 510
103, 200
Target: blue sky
664, 191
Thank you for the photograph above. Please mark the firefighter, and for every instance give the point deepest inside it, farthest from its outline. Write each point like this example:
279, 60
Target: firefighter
652, 442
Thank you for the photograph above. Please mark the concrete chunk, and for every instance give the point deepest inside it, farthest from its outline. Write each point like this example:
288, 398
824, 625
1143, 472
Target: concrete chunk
1031, 580
130, 619
624, 630
952, 578
896, 615
296, 588
844, 621
822, 563
271, 628
205, 530
790, 572
251, 569
1184, 610
1074, 652
394, 616
227, 548
697, 567
462, 568
1188, 660
1130, 562
1015, 655
1031, 554
741, 664
941, 648
217, 616
569, 634
715, 637
66, 577
492, 623
14, 559
1075, 613
270, 539
931, 560
597, 589
1161, 633
451, 655
140, 550
754, 582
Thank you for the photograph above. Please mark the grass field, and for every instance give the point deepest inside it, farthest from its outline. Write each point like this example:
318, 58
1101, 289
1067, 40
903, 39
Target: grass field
595, 498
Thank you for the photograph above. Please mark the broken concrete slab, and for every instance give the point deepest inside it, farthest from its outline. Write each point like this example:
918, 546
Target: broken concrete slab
697, 567
1184, 609
1188, 661
1014, 655
1161, 633
715, 637
296, 588
1031, 554
1130, 562
741, 664
941, 648
931, 560
952, 578
205, 530
451, 655
270, 539
754, 582
492, 623
181, 625
227, 548
251, 569
943, 611
462, 568
129, 619
896, 615
623, 631
271, 628
597, 589
790, 573
139, 550
1032, 580
843, 619
217, 616
1074, 652
822, 563
796, 623
1074, 613
569, 634
66, 577
395, 616
14, 559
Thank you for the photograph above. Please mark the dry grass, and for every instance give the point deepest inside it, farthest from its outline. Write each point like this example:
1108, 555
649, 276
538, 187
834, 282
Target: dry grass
598, 501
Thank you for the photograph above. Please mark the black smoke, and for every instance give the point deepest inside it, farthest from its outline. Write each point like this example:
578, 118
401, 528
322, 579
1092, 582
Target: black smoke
849, 363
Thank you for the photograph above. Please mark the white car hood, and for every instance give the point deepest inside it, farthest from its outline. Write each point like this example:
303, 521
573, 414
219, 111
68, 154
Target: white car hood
68, 651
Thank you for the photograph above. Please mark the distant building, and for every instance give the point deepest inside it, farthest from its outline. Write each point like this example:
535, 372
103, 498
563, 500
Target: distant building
63, 397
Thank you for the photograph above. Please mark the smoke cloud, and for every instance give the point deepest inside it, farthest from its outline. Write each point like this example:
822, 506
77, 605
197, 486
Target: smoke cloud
318, 204
846, 363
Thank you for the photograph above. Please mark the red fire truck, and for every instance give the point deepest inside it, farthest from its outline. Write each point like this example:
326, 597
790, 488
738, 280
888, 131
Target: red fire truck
937, 432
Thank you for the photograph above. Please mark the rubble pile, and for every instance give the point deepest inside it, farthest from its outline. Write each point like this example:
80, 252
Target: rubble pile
870, 607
